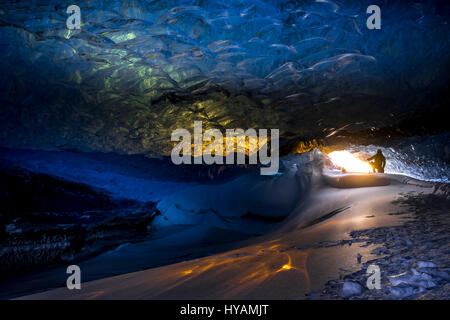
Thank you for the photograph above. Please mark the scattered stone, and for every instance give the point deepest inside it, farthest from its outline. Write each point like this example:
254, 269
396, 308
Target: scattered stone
425, 264
409, 255
402, 292
350, 289
358, 257
381, 250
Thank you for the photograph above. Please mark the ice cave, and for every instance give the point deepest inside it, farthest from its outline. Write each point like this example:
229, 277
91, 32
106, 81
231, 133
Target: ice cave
88, 114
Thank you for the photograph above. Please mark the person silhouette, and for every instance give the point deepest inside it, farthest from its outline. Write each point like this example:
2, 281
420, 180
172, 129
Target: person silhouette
377, 162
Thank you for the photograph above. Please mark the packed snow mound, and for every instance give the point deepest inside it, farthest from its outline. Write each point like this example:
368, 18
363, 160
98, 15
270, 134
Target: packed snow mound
251, 195
357, 180
137, 70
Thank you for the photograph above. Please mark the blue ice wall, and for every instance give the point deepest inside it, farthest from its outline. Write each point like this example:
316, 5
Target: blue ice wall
136, 70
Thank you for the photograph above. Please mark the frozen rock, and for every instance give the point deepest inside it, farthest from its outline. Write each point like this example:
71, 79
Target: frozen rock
440, 274
402, 292
381, 250
425, 264
416, 279
313, 294
68, 257
350, 289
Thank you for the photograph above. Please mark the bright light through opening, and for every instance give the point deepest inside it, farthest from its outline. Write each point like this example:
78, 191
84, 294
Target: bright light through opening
349, 162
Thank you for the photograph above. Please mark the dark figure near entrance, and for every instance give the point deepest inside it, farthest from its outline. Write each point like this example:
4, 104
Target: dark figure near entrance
378, 161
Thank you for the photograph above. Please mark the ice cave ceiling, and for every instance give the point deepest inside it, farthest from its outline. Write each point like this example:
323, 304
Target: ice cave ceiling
137, 70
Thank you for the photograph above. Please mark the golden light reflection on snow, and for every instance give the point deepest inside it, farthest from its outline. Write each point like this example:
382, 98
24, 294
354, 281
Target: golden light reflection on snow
258, 267
349, 162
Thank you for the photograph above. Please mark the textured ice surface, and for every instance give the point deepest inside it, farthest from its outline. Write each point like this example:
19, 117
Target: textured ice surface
350, 289
137, 70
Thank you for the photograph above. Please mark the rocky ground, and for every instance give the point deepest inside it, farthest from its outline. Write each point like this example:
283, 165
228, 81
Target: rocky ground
414, 257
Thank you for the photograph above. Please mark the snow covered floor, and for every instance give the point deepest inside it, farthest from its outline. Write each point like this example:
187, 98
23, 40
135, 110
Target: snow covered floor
320, 241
